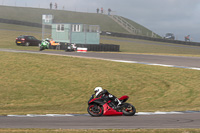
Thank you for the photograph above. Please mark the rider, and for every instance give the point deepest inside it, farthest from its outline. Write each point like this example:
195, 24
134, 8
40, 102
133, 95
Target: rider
99, 92
45, 44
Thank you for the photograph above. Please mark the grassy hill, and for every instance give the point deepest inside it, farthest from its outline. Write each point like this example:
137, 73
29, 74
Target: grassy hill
28, 14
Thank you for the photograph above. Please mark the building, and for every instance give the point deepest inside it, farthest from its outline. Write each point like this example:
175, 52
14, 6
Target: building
85, 36
76, 33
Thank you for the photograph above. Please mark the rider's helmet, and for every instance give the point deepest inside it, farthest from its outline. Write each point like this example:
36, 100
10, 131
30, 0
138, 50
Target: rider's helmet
47, 39
97, 90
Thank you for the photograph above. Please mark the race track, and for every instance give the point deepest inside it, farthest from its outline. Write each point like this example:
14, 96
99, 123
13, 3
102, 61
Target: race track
187, 120
162, 60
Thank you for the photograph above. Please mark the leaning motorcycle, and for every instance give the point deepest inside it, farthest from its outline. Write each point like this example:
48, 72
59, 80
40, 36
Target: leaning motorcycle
44, 45
100, 106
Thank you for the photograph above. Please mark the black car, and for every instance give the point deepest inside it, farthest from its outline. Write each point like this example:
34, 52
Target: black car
27, 40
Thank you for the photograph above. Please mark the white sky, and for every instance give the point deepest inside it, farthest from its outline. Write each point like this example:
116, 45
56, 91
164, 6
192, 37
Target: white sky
181, 17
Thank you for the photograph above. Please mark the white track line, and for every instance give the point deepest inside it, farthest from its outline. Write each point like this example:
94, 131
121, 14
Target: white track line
123, 61
153, 64
70, 115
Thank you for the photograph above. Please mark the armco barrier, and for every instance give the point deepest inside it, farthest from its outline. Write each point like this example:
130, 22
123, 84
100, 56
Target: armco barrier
150, 38
24, 23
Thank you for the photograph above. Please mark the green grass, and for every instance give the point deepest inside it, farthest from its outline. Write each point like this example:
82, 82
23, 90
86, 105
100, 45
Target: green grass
40, 84
151, 47
100, 131
60, 16
144, 31
8, 39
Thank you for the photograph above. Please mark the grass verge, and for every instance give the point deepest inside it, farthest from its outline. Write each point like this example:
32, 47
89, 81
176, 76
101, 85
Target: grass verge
41, 84
151, 47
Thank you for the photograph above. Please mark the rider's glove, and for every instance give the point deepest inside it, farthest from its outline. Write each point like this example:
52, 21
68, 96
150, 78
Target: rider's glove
110, 96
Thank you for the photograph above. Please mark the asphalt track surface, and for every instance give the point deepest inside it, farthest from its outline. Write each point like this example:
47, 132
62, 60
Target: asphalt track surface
188, 120
158, 59
179, 61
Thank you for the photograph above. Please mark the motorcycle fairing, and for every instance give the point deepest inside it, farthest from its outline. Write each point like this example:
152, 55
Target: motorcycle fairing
123, 98
110, 111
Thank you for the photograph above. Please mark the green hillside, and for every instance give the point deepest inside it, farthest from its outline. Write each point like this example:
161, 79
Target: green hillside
28, 14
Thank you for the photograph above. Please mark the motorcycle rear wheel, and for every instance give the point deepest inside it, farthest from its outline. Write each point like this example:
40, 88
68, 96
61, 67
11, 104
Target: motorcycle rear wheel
128, 109
95, 110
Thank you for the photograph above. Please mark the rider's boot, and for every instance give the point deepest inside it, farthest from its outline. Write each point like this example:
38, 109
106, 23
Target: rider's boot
118, 104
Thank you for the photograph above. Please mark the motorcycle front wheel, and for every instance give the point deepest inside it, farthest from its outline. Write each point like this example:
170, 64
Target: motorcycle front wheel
128, 109
95, 110
41, 48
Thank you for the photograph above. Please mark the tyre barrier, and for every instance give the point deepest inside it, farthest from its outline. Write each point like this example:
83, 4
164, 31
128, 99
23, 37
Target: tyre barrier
92, 47
100, 47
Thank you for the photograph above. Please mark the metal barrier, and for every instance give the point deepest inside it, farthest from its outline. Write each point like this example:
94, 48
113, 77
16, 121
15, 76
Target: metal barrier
149, 38
10, 21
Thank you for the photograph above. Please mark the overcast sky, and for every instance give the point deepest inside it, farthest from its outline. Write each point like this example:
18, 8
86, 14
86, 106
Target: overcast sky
181, 17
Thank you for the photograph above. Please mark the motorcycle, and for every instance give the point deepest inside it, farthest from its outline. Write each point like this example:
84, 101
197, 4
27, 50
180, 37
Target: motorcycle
44, 45
101, 106
71, 47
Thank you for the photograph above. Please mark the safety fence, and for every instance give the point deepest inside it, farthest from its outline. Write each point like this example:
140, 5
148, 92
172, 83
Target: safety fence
17, 22
149, 38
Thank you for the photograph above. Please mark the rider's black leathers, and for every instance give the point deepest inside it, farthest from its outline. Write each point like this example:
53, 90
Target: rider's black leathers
107, 96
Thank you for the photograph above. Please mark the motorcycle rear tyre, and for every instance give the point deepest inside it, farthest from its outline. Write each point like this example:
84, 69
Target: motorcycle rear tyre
93, 113
127, 113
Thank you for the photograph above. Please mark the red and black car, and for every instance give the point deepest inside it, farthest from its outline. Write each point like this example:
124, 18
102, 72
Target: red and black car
27, 40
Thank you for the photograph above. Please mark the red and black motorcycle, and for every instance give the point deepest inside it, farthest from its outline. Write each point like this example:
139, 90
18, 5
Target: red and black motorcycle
102, 106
